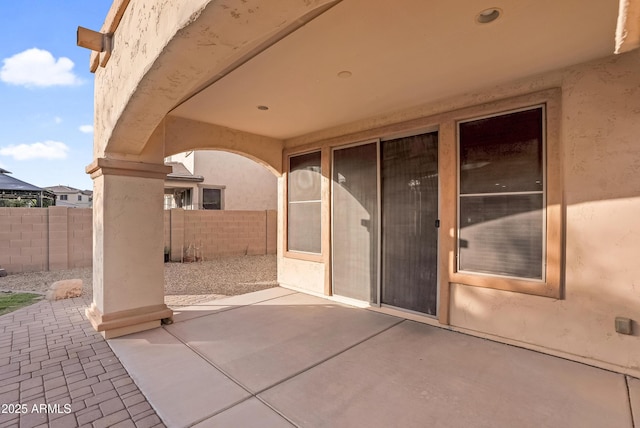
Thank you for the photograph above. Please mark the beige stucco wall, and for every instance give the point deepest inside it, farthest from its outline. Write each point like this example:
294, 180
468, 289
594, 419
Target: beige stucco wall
600, 109
186, 158
247, 184
137, 89
126, 238
600, 134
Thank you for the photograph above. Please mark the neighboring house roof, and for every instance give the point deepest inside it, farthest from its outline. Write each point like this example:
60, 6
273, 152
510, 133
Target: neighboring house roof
13, 184
180, 173
60, 189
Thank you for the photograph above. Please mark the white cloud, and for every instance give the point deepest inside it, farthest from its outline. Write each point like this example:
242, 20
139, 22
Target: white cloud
87, 129
44, 150
57, 120
37, 67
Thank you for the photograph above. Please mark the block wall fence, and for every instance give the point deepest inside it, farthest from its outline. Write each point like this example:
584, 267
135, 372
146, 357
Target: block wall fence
59, 238
212, 234
41, 239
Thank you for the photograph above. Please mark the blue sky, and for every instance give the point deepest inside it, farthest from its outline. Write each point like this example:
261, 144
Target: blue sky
46, 90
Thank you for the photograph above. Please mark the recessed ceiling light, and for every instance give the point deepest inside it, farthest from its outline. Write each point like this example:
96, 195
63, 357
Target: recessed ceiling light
263, 108
488, 15
344, 74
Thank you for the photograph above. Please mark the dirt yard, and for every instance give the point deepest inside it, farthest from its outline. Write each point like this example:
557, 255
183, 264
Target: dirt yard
184, 283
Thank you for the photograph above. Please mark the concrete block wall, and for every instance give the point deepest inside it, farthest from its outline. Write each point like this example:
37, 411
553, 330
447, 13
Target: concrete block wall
23, 239
272, 232
41, 239
167, 229
58, 234
213, 234
80, 238
59, 238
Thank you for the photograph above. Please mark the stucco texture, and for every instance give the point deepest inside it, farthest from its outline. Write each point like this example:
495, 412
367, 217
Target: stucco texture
600, 128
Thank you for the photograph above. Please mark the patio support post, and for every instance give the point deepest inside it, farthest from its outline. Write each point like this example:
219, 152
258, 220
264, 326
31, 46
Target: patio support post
128, 269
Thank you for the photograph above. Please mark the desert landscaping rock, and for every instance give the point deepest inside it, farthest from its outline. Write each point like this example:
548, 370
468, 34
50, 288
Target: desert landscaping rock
185, 283
64, 289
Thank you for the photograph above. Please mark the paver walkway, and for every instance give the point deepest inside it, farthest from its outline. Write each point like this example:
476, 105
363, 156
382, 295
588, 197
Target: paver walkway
56, 371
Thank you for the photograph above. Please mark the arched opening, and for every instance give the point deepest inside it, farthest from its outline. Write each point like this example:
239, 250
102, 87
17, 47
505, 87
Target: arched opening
220, 226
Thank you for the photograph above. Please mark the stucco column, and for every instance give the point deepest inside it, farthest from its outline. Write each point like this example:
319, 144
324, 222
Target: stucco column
128, 242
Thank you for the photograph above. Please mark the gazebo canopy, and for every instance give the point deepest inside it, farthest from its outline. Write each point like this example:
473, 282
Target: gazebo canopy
17, 193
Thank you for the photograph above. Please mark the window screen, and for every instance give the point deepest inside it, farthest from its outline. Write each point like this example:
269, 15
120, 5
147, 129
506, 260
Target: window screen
355, 222
303, 192
212, 199
501, 205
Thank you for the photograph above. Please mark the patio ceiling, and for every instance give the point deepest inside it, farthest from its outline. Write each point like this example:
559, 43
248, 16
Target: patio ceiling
398, 54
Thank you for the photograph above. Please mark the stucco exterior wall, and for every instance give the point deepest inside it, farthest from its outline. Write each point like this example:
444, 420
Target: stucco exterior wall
600, 150
126, 116
247, 185
186, 158
600, 129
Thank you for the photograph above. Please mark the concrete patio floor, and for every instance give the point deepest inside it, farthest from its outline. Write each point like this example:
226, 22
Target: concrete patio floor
277, 358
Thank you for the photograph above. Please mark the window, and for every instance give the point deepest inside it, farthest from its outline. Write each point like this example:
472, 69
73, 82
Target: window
212, 199
303, 200
79, 198
177, 198
63, 197
501, 206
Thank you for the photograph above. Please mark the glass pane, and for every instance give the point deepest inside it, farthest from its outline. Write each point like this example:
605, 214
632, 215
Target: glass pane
355, 222
502, 235
410, 210
304, 227
211, 199
502, 154
304, 177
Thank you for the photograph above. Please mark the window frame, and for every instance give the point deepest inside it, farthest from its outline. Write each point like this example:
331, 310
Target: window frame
296, 254
220, 188
543, 192
553, 207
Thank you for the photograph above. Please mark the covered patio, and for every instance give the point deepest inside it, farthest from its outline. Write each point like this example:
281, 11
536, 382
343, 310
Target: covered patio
472, 167
278, 358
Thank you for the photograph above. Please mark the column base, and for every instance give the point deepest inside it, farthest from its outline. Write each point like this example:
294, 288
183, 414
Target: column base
126, 322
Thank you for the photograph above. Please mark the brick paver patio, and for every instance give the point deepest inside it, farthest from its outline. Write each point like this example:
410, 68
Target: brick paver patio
56, 371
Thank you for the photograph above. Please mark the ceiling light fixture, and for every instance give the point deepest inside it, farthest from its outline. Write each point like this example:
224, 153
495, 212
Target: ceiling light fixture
488, 15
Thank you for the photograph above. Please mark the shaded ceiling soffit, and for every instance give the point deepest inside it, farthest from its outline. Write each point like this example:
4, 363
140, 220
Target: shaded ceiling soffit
261, 47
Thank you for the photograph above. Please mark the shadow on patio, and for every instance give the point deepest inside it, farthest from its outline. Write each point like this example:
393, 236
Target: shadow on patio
280, 358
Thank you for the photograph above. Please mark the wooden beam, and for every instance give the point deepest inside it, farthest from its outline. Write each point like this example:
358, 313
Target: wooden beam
90, 39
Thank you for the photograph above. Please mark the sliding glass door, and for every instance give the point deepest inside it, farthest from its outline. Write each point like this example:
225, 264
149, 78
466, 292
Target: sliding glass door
355, 222
409, 228
385, 211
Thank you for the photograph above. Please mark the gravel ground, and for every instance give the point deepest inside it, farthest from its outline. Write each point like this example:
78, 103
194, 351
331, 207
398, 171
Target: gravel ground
184, 283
